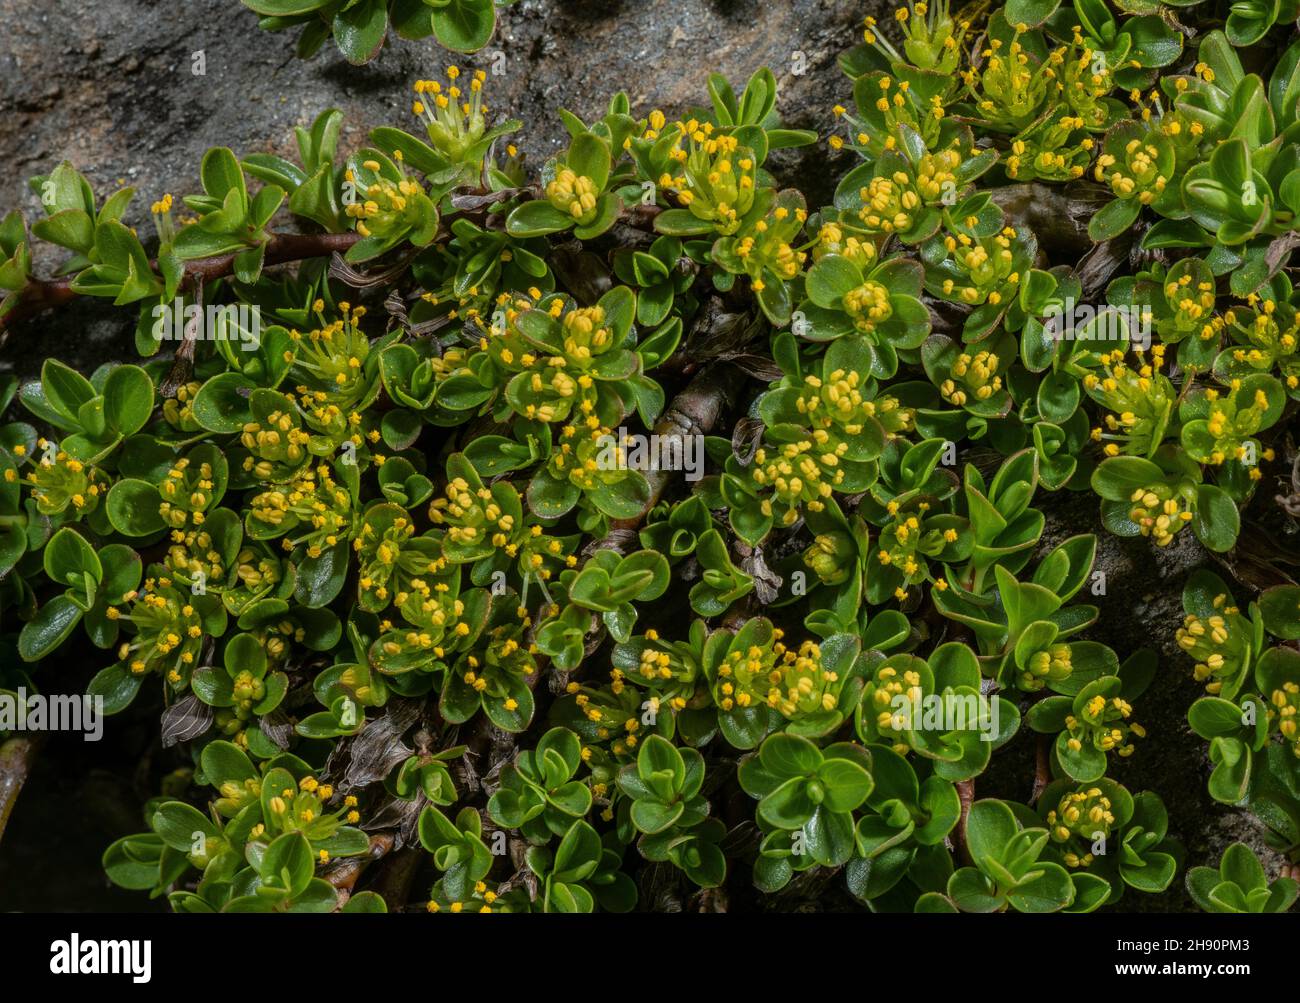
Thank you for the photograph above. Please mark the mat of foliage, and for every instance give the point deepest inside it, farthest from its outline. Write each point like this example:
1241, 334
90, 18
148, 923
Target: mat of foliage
366, 517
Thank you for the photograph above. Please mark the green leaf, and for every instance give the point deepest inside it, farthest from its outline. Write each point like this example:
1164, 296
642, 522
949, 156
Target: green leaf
625, 499
179, 825
1051, 891
608, 208
790, 756
288, 863
1113, 219
681, 223
829, 837
847, 784
1030, 12
1085, 764
1213, 716
831, 279
128, 399
578, 854
321, 578
132, 862
1280, 608
971, 891
365, 902
221, 174
464, 25
48, 629
69, 559
1216, 521
1155, 875
534, 219
789, 806
223, 761
117, 686
359, 30
654, 816
132, 507
65, 389
589, 157
222, 403
1242, 868
990, 826
70, 228
283, 8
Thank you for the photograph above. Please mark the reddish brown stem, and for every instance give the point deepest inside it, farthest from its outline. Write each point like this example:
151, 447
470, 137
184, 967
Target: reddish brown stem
1042, 768
344, 876
694, 411
16, 758
966, 795
43, 294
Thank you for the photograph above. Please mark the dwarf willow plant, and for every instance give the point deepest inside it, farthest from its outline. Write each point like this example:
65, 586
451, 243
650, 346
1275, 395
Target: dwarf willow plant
360, 27
374, 536
1252, 676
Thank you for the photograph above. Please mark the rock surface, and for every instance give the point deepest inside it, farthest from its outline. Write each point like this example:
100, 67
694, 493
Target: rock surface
112, 86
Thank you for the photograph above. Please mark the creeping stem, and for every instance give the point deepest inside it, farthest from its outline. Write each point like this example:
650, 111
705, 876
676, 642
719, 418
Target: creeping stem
17, 756
694, 411
966, 795
44, 294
